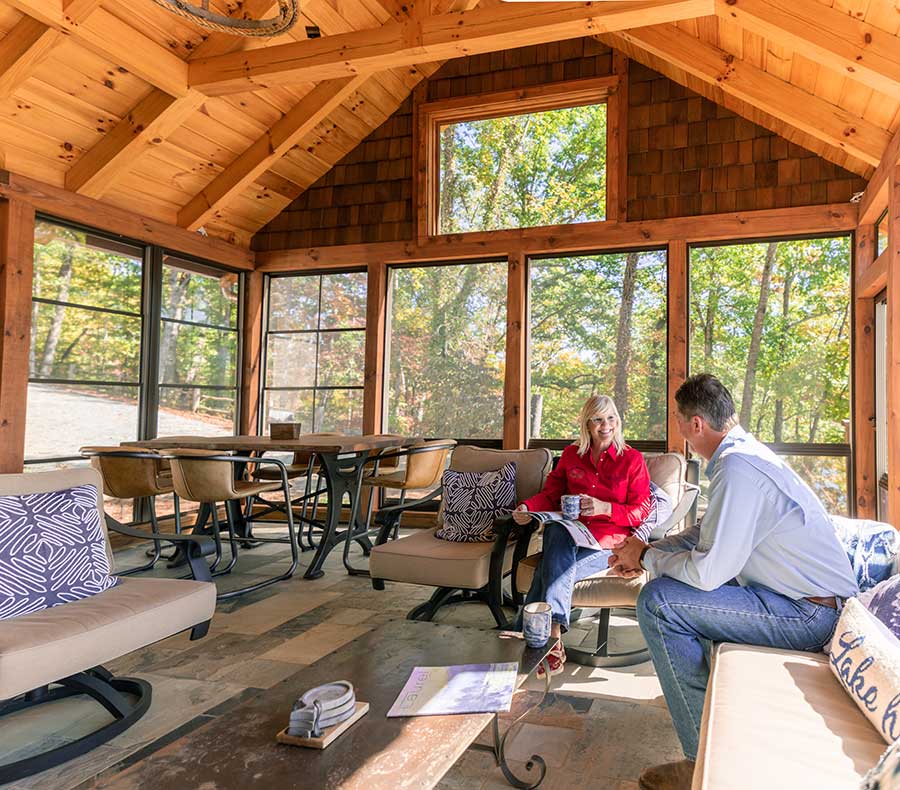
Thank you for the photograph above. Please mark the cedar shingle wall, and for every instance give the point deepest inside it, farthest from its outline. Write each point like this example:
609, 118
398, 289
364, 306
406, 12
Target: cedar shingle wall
687, 155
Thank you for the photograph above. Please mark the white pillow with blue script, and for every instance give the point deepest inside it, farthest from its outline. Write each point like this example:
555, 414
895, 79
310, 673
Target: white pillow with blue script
865, 657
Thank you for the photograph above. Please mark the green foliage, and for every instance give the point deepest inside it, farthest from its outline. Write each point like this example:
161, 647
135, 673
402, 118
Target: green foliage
522, 171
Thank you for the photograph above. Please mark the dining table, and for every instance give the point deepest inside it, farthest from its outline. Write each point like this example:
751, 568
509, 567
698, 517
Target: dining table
342, 461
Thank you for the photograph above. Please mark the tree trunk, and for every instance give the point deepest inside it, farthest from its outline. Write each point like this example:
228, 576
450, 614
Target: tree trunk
623, 340
59, 315
537, 412
756, 337
785, 312
178, 284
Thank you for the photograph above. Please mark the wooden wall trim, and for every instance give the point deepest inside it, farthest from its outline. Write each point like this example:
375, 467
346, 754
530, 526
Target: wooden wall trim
893, 346
872, 280
251, 354
617, 142
515, 384
863, 392
376, 326
58, 202
16, 272
732, 226
677, 343
875, 198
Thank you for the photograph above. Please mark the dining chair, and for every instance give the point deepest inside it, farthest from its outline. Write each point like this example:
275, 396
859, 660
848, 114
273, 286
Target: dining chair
207, 477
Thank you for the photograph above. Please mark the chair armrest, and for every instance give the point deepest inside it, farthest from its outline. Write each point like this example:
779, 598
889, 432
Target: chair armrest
678, 514
388, 517
196, 547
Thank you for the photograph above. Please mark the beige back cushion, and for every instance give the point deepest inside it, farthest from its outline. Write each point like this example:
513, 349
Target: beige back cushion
532, 467
41, 482
667, 471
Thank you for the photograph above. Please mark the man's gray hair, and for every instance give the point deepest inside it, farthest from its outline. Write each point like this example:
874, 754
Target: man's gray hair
705, 396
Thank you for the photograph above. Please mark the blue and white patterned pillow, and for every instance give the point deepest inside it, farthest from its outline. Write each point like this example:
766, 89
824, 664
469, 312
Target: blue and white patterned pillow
472, 501
52, 550
883, 600
871, 546
885, 775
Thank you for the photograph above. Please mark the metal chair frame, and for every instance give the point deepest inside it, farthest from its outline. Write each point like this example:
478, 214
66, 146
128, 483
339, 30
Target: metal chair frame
231, 517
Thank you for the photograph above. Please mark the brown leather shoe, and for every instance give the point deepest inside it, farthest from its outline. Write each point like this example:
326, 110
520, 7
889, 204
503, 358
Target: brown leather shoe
670, 776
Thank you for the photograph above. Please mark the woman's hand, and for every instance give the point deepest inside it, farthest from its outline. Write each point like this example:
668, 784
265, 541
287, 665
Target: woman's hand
520, 515
594, 507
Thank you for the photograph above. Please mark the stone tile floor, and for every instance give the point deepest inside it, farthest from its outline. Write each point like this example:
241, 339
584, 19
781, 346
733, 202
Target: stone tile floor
598, 728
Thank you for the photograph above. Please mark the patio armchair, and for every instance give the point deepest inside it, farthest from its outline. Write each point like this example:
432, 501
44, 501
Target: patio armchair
678, 478
207, 477
58, 652
425, 463
129, 474
460, 572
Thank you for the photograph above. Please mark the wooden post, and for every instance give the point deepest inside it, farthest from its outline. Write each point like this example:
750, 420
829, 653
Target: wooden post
617, 143
376, 326
515, 387
252, 354
16, 271
893, 346
677, 364
863, 393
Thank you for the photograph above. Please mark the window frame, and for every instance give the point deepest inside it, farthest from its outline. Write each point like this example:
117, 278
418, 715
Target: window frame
267, 331
817, 449
878, 223
429, 117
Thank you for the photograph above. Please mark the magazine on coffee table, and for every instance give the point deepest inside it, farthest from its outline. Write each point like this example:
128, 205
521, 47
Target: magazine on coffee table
466, 688
579, 532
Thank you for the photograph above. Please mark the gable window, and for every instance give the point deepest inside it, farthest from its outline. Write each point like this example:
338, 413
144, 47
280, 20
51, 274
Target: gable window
516, 159
881, 234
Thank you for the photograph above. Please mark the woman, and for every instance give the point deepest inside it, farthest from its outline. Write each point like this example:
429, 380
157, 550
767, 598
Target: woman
614, 487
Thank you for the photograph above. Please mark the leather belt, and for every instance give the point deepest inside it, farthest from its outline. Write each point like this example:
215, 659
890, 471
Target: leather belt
831, 603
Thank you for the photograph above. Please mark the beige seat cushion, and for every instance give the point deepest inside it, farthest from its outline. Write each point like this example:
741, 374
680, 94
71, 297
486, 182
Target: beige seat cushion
532, 466
40, 648
422, 558
667, 471
599, 590
779, 718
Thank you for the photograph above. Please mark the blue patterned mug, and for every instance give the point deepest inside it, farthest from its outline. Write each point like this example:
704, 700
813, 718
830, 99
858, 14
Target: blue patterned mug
570, 505
536, 623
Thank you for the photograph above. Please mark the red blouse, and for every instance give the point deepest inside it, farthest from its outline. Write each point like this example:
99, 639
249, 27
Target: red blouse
622, 480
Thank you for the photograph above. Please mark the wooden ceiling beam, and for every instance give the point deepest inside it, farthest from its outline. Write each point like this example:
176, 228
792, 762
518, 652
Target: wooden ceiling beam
826, 122
399, 44
292, 127
875, 198
827, 36
111, 38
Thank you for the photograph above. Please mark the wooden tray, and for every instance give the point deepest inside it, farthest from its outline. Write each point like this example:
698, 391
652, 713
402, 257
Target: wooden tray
329, 734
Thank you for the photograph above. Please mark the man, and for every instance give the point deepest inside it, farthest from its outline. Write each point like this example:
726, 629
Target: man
764, 567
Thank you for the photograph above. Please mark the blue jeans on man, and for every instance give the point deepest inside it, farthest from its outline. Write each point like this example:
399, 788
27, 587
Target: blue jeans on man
562, 564
679, 623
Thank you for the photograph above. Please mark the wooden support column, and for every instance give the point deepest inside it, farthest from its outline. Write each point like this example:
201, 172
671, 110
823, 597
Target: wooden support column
893, 346
16, 271
617, 143
677, 346
251, 361
863, 361
515, 387
376, 348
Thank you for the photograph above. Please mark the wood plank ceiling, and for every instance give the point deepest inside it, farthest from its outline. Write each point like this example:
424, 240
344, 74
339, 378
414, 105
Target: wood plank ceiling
125, 102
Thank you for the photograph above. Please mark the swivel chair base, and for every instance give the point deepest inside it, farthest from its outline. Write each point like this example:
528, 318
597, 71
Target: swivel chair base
601, 656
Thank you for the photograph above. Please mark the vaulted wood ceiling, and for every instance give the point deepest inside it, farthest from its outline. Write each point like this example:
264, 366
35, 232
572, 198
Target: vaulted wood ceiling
122, 101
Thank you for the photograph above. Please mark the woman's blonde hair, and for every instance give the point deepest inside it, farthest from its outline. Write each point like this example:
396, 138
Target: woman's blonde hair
593, 407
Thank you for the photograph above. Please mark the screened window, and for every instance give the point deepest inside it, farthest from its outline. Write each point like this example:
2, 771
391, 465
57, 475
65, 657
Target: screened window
772, 320
881, 234
198, 346
315, 351
519, 171
85, 359
598, 325
446, 350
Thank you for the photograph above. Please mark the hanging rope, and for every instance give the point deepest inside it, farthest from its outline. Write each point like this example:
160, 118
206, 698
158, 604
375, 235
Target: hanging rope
288, 14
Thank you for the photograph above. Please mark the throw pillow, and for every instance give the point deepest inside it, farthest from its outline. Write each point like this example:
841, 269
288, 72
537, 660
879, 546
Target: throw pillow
886, 772
865, 658
883, 600
472, 501
871, 546
52, 550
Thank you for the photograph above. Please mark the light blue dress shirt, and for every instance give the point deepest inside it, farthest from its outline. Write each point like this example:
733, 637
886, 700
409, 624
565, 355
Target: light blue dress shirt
763, 527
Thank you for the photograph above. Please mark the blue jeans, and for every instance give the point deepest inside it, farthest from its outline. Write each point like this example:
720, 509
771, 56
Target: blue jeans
562, 564
680, 622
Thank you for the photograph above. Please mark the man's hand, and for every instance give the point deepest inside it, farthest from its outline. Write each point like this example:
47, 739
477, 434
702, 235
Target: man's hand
625, 560
594, 507
520, 515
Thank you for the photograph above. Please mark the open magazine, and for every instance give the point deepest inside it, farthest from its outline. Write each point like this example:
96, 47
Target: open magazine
579, 532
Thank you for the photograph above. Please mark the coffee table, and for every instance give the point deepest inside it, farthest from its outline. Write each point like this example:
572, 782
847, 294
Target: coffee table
237, 750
